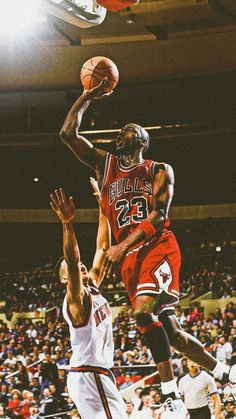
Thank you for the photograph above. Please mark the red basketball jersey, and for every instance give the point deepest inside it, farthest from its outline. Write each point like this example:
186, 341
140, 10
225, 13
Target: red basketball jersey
127, 194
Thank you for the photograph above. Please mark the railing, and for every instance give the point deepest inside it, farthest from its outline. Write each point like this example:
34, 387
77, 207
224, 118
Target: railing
52, 415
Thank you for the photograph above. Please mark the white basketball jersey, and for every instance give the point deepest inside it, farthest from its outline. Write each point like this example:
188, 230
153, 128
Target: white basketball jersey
92, 342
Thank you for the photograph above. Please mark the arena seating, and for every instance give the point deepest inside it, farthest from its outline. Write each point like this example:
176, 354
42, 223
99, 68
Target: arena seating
35, 356
35, 353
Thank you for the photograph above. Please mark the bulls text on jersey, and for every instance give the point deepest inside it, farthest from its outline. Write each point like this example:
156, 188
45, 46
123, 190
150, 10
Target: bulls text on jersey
126, 185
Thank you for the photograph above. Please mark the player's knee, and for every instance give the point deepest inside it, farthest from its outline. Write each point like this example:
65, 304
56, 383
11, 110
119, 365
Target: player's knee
143, 318
179, 340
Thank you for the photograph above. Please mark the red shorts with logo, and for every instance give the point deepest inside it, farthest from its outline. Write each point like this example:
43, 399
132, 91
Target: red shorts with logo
153, 269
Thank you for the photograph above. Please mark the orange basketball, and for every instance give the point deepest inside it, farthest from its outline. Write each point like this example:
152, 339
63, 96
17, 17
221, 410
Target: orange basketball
95, 69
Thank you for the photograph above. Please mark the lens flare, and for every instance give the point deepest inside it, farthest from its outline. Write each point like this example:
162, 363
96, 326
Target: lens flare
18, 17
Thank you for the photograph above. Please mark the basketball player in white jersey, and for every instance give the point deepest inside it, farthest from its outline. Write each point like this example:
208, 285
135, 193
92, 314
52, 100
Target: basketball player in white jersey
91, 384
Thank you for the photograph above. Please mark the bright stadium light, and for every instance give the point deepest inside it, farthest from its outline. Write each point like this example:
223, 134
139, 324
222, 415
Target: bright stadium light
18, 17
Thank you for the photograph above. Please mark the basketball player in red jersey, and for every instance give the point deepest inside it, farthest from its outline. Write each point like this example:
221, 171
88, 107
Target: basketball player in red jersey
137, 194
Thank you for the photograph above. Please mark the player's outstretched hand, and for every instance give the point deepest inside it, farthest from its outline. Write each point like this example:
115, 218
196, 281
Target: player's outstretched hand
63, 207
97, 92
114, 255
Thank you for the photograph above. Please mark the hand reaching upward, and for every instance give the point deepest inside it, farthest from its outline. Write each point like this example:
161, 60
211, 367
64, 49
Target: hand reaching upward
63, 207
97, 92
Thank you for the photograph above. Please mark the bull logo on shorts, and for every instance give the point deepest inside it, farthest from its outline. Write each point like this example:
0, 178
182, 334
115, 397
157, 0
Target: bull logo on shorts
164, 276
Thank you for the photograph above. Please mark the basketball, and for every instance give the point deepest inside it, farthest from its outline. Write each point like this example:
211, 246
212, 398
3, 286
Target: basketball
95, 69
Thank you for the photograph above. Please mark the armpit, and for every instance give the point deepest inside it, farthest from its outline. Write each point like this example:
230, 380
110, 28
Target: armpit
160, 166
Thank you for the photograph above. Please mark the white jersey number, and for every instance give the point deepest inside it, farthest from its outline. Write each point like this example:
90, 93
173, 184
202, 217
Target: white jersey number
124, 207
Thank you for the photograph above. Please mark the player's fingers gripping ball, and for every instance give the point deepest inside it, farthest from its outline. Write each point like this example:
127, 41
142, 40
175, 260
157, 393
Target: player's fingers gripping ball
94, 71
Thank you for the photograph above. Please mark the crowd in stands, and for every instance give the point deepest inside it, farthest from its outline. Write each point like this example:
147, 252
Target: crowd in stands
34, 358
39, 290
217, 274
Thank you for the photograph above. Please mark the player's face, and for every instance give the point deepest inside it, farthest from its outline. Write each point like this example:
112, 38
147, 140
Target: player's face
193, 367
63, 273
128, 138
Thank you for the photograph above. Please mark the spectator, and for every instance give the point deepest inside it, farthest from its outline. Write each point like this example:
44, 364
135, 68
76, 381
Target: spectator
49, 372
4, 398
34, 387
147, 352
136, 400
125, 345
14, 403
27, 398
10, 360
144, 361
33, 411
195, 314
22, 376
70, 405
128, 382
31, 332
47, 403
145, 411
130, 410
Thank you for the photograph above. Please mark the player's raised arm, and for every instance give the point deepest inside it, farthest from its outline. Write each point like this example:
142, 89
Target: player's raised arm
65, 209
162, 196
103, 239
69, 133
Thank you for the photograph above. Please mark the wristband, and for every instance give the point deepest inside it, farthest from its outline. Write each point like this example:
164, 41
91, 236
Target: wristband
147, 228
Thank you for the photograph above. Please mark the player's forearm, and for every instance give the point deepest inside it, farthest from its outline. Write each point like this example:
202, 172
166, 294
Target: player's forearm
146, 229
104, 232
74, 118
157, 218
217, 402
70, 245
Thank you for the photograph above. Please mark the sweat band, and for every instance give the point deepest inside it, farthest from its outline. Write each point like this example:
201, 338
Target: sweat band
147, 228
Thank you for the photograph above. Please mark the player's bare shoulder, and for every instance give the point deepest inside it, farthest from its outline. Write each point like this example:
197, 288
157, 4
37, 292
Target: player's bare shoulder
166, 170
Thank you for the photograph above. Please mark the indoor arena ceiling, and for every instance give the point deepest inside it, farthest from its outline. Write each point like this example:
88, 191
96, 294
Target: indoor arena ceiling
149, 41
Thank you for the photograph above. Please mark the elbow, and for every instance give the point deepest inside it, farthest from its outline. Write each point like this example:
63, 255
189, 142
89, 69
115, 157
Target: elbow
159, 218
65, 137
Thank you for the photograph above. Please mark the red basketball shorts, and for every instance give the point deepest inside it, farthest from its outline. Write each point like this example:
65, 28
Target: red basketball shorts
153, 269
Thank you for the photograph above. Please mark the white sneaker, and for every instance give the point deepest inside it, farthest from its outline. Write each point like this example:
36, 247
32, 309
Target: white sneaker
88, 12
174, 409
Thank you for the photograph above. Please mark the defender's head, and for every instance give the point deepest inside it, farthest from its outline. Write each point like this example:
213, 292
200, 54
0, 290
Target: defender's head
61, 271
132, 137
